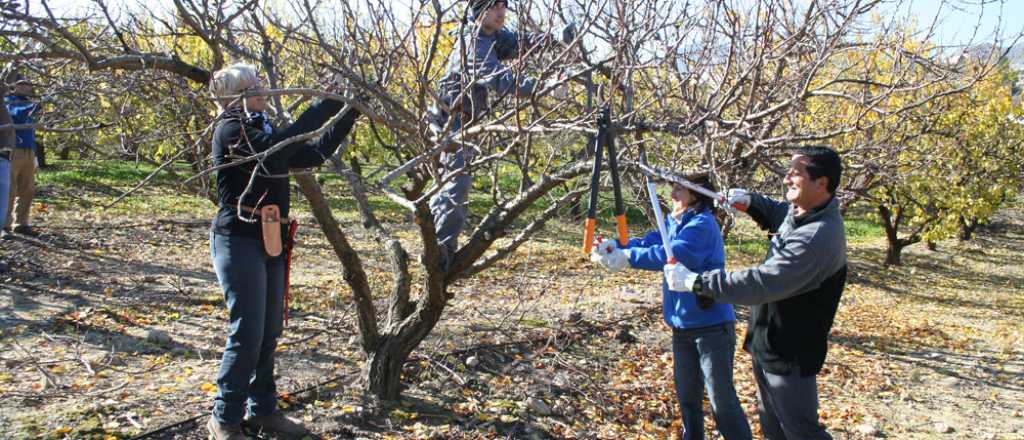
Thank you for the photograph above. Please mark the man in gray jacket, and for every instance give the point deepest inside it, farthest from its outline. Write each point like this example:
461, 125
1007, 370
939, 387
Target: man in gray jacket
794, 293
474, 72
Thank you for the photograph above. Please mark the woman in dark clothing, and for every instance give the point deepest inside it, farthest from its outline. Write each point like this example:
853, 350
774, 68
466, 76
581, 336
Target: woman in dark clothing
245, 249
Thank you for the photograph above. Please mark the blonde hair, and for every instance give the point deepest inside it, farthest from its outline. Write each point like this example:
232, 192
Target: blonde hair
232, 80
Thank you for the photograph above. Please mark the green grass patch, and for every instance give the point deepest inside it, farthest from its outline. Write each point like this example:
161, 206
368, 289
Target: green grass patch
162, 205
92, 184
110, 173
859, 228
862, 223
754, 247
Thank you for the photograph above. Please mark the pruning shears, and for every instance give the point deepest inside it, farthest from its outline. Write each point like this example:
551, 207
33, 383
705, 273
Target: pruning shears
604, 140
650, 171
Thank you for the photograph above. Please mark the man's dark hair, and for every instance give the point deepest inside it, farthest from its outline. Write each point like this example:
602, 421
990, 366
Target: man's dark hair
823, 161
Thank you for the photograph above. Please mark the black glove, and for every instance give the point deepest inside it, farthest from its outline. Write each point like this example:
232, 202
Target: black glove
568, 33
705, 302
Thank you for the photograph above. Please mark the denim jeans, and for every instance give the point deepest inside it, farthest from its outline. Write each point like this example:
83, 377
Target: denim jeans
703, 357
253, 285
789, 406
5, 188
449, 205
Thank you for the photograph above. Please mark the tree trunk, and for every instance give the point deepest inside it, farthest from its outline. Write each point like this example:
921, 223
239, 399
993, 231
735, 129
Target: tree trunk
892, 249
41, 154
576, 210
352, 267
893, 252
968, 228
894, 244
382, 370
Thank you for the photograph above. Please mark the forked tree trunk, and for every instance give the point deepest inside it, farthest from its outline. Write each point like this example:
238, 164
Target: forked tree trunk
894, 244
382, 371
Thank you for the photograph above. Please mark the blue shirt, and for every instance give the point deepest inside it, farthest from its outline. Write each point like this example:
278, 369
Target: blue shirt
22, 112
697, 243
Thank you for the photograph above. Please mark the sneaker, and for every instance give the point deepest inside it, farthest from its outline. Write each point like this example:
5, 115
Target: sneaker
278, 423
224, 432
6, 234
25, 230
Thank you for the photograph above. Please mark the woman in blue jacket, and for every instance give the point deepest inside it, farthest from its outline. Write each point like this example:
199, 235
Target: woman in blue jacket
703, 335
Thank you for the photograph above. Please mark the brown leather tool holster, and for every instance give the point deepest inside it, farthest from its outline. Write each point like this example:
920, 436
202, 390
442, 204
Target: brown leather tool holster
270, 218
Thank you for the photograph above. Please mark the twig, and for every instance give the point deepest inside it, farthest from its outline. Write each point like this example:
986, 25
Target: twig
35, 363
453, 374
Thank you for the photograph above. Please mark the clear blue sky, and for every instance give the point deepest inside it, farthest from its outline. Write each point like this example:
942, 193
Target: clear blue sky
956, 21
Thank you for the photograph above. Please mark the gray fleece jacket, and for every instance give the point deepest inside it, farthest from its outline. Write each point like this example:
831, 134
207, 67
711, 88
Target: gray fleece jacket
482, 69
795, 292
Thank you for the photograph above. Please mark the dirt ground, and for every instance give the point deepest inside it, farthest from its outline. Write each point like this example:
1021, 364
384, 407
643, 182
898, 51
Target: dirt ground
115, 331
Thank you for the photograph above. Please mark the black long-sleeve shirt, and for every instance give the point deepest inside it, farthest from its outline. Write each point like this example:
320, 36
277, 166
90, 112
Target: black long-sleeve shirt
239, 135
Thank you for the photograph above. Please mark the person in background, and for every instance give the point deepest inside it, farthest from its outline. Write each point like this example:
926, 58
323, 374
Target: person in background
23, 111
465, 91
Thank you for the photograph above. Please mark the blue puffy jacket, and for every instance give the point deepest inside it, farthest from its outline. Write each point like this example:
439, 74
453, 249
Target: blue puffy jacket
697, 243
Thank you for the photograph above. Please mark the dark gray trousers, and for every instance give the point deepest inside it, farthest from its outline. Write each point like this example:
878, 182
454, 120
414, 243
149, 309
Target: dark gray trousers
788, 406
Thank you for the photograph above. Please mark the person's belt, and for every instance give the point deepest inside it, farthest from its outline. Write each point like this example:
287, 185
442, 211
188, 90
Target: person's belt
256, 213
5, 154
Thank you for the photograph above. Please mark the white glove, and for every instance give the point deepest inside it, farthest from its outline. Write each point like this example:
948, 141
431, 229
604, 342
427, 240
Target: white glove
737, 199
680, 279
610, 256
605, 247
